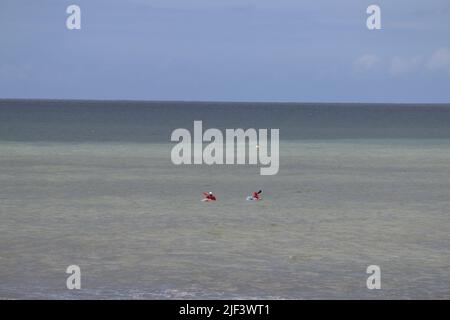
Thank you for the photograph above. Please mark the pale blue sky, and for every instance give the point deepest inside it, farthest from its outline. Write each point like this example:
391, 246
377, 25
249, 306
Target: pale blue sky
238, 50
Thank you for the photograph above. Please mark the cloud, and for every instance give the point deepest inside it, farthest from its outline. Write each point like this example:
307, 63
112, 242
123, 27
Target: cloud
439, 60
366, 62
402, 65
399, 65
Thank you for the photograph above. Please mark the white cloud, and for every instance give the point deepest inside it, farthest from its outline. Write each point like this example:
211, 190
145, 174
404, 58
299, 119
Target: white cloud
366, 62
404, 65
439, 60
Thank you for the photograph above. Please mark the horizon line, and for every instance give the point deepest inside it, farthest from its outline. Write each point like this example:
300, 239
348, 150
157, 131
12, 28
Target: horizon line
220, 101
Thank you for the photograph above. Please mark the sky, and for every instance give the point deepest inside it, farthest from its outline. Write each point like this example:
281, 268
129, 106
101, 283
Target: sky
226, 50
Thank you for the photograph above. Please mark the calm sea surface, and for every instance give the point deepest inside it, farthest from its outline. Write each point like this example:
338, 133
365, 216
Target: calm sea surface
92, 184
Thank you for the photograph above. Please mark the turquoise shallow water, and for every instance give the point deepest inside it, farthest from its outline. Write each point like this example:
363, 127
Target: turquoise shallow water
135, 224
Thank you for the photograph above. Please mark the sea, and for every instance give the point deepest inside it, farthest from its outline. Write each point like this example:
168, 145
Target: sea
92, 184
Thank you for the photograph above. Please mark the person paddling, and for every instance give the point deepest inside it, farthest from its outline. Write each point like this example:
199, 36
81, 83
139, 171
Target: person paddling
209, 196
255, 196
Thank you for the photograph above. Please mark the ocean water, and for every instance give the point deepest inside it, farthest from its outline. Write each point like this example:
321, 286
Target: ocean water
92, 184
